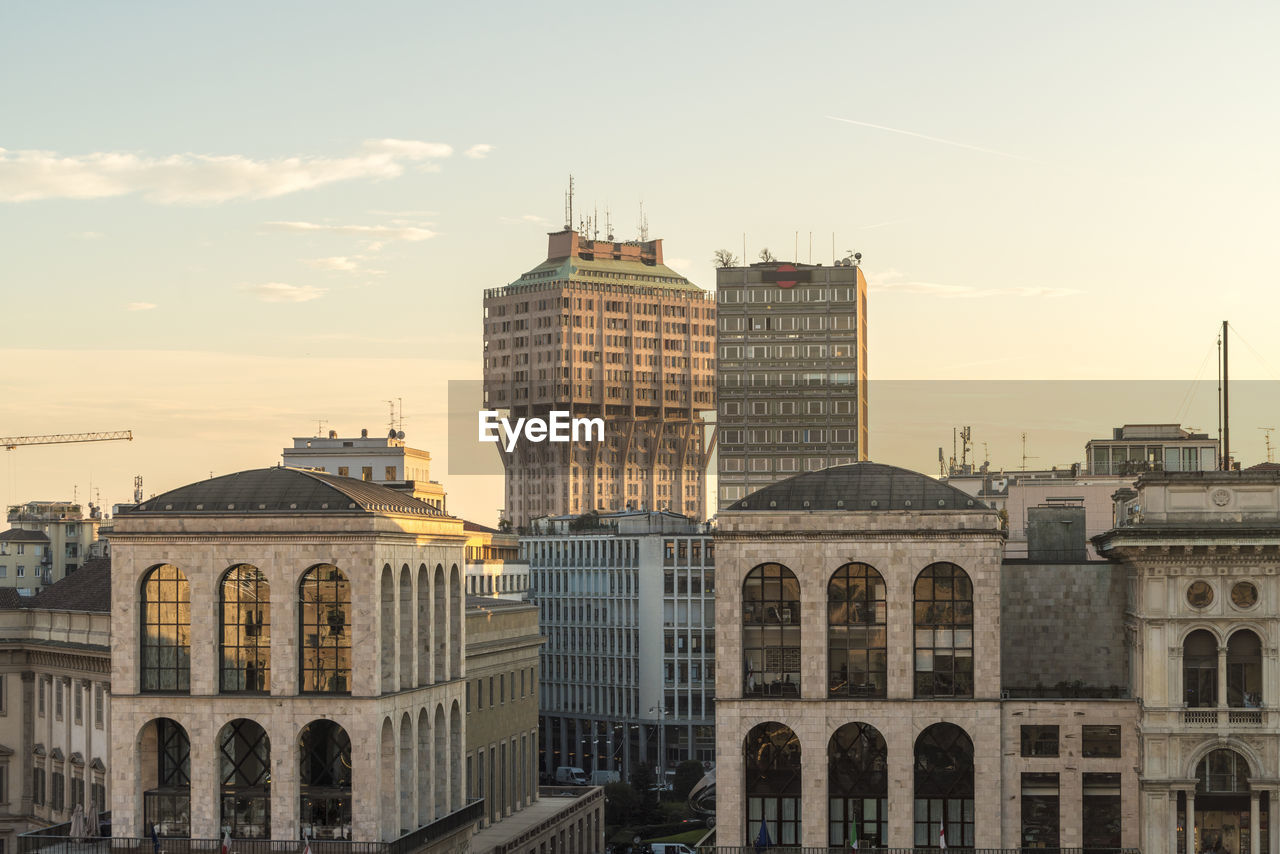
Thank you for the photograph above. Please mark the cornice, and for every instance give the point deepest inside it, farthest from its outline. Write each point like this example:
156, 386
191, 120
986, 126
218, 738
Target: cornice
292, 537
862, 534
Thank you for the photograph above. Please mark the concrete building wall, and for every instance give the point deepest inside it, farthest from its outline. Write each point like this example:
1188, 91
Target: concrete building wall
1063, 623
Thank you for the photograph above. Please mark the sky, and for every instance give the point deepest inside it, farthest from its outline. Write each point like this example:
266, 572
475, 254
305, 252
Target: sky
224, 226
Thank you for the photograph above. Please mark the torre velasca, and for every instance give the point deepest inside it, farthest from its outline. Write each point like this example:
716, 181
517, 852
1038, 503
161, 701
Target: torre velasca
603, 329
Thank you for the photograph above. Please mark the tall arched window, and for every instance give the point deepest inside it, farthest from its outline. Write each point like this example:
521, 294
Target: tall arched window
324, 631
1244, 670
1222, 771
944, 787
858, 787
165, 764
246, 630
1200, 670
944, 632
324, 780
166, 630
856, 645
771, 632
771, 754
244, 773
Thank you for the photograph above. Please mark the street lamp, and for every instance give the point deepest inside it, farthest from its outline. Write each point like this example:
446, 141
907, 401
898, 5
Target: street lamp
661, 712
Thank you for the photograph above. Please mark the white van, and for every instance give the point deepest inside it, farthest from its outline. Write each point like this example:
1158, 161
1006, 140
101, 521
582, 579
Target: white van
571, 776
669, 848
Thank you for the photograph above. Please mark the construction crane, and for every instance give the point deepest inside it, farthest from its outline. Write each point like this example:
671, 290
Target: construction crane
11, 442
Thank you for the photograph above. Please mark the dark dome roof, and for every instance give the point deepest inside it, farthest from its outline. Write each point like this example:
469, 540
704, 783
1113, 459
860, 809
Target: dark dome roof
284, 490
860, 486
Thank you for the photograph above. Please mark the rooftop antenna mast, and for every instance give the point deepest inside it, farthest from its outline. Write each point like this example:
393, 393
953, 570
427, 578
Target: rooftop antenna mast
568, 205
137, 489
644, 225
320, 422
1266, 437
608, 224
1025, 456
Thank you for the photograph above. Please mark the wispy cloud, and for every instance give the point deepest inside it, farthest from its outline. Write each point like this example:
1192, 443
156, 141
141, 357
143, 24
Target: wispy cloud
938, 139
29, 175
140, 306
478, 151
281, 292
892, 280
380, 233
533, 218
342, 264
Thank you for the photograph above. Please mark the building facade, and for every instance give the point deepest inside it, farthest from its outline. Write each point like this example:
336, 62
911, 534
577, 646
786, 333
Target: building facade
1202, 556
244, 604
55, 703
628, 669
1136, 448
46, 540
494, 566
792, 385
603, 329
862, 691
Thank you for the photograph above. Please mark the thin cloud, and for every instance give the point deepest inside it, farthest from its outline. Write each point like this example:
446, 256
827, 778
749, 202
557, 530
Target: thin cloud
533, 218
893, 280
338, 263
478, 151
140, 306
281, 292
939, 139
380, 233
30, 175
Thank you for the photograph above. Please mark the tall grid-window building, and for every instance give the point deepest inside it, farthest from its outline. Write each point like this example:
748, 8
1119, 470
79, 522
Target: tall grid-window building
629, 665
603, 329
792, 388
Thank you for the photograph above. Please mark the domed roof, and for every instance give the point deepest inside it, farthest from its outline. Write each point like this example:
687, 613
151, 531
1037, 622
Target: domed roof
860, 486
285, 490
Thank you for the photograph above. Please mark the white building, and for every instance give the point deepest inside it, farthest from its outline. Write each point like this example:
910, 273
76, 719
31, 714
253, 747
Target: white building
629, 666
383, 460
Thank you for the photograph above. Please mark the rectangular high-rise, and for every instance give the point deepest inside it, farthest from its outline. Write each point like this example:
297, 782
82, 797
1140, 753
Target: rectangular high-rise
603, 329
792, 385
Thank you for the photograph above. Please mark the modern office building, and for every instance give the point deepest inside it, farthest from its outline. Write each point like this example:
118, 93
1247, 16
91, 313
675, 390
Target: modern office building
603, 329
243, 605
627, 671
1137, 448
792, 385
494, 566
384, 460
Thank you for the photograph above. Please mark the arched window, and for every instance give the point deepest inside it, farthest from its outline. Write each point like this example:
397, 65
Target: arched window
1222, 771
1200, 670
246, 630
944, 787
324, 780
944, 632
1244, 670
165, 763
244, 773
858, 787
856, 645
166, 630
771, 754
324, 631
771, 632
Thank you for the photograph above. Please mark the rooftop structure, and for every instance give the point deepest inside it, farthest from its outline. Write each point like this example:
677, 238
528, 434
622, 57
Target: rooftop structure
384, 460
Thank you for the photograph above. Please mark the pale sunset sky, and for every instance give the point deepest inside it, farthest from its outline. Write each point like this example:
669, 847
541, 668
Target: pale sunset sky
222, 223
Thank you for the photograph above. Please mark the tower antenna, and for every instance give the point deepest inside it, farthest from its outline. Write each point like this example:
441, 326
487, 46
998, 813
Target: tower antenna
1266, 437
568, 205
608, 224
644, 224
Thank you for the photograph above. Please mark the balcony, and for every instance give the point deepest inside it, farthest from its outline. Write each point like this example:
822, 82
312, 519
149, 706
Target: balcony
1223, 718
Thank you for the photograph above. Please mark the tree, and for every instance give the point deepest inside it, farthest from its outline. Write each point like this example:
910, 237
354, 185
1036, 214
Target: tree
621, 804
766, 256
725, 258
688, 773
646, 786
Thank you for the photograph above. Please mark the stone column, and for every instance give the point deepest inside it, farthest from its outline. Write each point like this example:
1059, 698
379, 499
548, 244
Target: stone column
1191, 821
284, 779
901, 757
1273, 837
1173, 821
206, 797
813, 788
1255, 815
1222, 677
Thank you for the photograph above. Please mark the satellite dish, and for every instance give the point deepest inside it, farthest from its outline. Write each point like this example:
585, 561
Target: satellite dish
399, 434
857, 256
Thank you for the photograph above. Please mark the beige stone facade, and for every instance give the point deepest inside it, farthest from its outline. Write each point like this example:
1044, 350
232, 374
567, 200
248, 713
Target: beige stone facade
400, 701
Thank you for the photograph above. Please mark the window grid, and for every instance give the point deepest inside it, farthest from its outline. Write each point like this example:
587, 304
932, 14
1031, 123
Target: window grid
166, 631
324, 619
246, 631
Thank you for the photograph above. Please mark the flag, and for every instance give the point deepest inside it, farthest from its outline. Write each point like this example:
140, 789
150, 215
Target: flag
762, 838
155, 839
942, 837
853, 834
306, 848
226, 842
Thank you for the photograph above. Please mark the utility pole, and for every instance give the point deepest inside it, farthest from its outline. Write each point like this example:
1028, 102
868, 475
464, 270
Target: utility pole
1226, 408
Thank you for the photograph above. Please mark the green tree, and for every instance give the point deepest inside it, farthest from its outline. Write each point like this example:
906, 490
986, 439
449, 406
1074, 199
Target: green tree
646, 786
688, 773
621, 804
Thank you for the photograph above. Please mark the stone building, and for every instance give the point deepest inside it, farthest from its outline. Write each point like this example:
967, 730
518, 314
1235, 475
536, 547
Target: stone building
287, 659
862, 692
55, 720
1202, 555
